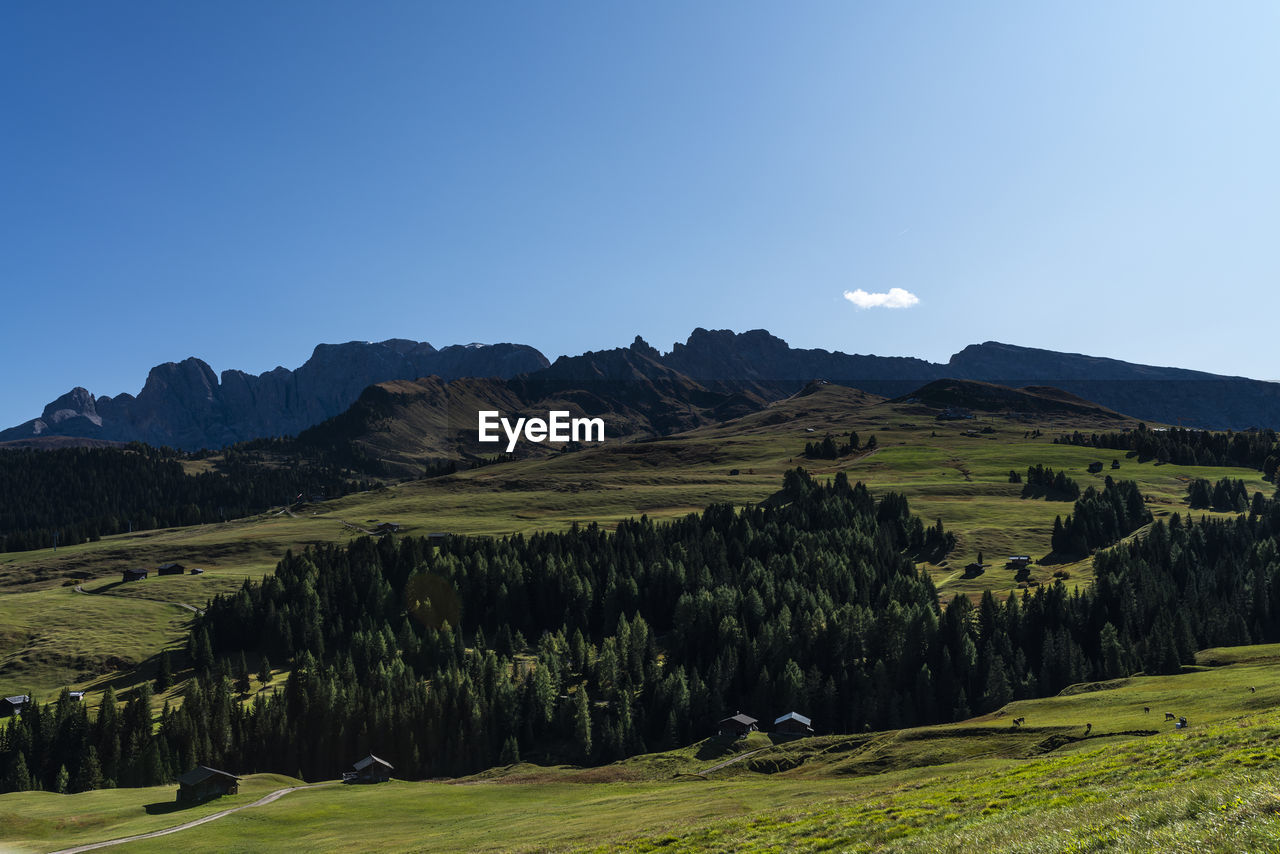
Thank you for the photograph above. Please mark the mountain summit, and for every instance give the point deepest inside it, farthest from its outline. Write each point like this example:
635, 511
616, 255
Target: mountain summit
715, 372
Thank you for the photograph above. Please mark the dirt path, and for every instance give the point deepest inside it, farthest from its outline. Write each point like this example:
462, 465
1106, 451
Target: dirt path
79, 588
727, 762
278, 793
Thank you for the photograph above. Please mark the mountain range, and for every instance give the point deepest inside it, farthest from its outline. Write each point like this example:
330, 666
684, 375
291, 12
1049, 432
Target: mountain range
714, 374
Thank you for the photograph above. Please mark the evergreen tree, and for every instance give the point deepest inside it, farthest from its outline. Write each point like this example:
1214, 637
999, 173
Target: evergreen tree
164, 673
582, 722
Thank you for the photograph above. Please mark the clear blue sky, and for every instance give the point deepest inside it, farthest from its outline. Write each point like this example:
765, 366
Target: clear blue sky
241, 181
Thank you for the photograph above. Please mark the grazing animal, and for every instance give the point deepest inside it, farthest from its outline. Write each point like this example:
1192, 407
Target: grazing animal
1252, 689
1146, 709
1088, 728
1019, 721
1168, 716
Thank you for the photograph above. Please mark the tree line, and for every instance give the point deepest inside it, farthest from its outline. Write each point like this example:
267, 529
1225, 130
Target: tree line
588, 646
1254, 449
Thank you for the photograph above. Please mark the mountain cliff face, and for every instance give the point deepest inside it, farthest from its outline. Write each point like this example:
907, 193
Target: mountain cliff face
186, 405
714, 374
1168, 395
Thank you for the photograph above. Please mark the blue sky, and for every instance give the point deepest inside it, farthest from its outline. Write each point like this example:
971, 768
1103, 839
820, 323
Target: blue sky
241, 181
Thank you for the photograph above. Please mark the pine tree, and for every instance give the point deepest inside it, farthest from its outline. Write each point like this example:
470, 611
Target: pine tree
264, 672
164, 673
582, 722
89, 775
19, 778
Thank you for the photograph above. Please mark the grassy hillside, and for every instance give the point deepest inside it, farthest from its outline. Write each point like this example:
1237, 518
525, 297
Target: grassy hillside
1134, 783
953, 470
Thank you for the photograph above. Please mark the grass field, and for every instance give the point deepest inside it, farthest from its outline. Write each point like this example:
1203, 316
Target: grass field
975, 785
948, 470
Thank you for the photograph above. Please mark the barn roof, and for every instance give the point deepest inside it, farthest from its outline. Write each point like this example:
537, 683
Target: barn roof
169, 565
370, 760
200, 773
745, 720
18, 700
794, 716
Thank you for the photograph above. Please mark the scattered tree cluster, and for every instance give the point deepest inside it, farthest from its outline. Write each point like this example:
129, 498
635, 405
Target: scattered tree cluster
1101, 518
1255, 449
1043, 481
1228, 495
829, 449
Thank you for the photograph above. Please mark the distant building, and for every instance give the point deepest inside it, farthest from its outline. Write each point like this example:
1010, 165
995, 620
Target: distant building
738, 724
170, 569
793, 723
76, 696
371, 769
437, 537
975, 569
134, 575
387, 528
1095, 467
195, 570
202, 783
1020, 561
13, 705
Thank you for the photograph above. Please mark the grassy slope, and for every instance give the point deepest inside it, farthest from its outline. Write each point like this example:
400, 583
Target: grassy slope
947, 474
40, 821
977, 785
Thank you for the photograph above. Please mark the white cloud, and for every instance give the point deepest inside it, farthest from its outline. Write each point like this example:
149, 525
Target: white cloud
895, 298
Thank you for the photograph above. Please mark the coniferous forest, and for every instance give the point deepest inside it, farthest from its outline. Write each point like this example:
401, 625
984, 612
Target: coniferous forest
63, 493
587, 646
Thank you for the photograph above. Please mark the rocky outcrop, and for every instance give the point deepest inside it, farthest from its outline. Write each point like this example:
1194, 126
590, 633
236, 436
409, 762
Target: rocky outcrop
186, 405
715, 373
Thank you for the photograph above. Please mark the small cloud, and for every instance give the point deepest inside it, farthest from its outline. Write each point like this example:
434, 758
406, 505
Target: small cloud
895, 298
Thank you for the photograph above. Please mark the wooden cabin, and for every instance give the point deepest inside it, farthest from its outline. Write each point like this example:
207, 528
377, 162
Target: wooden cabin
202, 783
13, 705
793, 723
134, 574
371, 769
195, 570
1019, 561
738, 724
170, 569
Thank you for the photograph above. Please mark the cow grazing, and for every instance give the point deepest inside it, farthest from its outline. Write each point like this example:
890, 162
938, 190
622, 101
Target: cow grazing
1146, 710
1017, 722
1168, 716
1252, 690
1088, 728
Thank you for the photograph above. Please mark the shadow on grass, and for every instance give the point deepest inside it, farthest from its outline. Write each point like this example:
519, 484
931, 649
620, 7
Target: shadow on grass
718, 746
166, 807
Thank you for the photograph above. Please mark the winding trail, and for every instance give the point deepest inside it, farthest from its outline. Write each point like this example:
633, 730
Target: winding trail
277, 794
79, 588
727, 762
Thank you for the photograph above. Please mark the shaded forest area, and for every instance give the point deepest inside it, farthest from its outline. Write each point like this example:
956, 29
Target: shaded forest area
62, 495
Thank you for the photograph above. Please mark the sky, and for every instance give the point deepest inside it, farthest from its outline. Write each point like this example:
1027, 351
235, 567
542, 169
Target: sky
241, 181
